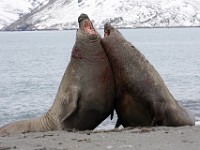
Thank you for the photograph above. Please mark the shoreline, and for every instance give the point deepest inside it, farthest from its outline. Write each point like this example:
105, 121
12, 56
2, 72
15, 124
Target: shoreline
121, 28
151, 138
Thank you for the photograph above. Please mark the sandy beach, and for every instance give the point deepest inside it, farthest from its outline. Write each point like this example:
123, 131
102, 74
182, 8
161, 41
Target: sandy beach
156, 138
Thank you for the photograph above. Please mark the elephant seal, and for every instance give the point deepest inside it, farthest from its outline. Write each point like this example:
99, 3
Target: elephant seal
86, 93
142, 98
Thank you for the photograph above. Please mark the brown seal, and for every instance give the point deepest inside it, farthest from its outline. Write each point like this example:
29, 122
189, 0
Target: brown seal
86, 93
142, 98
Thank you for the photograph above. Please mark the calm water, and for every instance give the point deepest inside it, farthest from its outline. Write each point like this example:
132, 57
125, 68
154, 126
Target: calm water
32, 65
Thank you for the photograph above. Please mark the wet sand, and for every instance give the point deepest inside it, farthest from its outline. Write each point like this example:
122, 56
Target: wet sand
157, 138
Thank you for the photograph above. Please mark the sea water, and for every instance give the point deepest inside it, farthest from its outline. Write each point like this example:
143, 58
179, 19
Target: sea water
33, 63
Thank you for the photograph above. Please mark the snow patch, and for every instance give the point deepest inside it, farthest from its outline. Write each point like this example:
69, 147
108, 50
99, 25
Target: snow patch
62, 14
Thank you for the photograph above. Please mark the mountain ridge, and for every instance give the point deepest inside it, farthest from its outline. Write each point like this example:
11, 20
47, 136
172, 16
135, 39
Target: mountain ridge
13, 10
63, 14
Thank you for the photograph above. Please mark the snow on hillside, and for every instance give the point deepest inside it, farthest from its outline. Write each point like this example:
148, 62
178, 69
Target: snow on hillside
63, 14
59, 14
12, 10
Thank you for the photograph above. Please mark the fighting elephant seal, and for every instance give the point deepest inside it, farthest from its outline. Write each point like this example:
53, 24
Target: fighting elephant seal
142, 98
86, 93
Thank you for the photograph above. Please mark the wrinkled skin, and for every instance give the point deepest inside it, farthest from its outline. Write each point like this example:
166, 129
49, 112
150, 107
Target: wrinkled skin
86, 93
142, 98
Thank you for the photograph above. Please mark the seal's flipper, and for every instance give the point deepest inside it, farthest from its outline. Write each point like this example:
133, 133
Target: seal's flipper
68, 105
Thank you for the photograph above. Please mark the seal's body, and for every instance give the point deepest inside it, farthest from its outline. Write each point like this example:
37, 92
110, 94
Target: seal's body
86, 93
142, 98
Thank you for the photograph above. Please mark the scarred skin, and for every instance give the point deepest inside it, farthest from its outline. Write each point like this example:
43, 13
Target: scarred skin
86, 93
142, 98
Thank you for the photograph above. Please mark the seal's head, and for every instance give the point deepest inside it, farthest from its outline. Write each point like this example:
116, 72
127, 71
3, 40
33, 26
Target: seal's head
87, 39
85, 24
111, 36
108, 28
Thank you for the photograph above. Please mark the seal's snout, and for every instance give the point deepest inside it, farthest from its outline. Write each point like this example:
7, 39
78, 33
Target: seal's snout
85, 24
107, 29
107, 24
82, 17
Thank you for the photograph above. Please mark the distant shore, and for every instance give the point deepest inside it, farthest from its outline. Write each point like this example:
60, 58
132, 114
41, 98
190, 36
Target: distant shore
156, 138
66, 29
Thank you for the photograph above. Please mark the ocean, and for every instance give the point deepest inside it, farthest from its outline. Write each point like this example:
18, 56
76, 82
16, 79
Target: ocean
33, 63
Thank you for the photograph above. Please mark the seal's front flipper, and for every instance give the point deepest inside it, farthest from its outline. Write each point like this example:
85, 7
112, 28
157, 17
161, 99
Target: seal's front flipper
69, 104
159, 114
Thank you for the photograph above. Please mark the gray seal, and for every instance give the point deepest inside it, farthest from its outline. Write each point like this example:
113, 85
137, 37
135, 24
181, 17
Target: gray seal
86, 93
142, 98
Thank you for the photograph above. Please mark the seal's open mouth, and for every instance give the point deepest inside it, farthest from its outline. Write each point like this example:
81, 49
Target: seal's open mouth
87, 27
107, 29
106, 32
85, 24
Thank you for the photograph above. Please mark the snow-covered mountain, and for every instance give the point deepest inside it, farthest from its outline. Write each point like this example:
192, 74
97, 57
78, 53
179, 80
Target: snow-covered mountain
12, 10
63, 14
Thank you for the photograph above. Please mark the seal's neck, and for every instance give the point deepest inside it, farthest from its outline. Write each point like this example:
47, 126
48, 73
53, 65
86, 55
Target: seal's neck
88, 48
